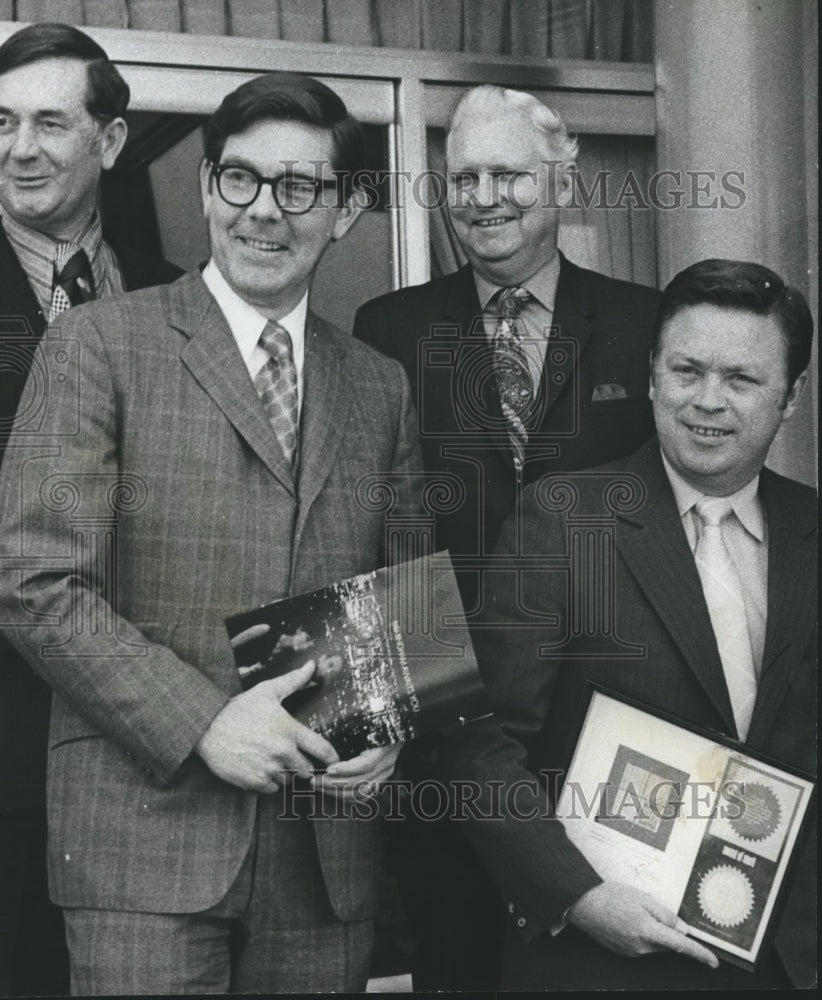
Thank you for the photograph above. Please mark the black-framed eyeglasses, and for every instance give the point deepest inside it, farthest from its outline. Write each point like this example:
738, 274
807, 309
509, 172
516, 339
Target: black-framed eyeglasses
240, 186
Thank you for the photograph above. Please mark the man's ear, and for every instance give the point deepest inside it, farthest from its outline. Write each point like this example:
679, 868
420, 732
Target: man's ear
112, 141
794, 395
565, 185
347, 215
206, 179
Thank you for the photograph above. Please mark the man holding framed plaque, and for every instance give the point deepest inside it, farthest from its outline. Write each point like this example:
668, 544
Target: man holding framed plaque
683, 578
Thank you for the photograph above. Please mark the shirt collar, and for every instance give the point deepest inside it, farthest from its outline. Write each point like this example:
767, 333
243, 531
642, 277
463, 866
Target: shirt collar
89, 239
542, 285
247, 323
745, 503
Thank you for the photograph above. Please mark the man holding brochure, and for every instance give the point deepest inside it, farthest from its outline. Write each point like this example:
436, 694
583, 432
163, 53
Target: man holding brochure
700, 603
200, 452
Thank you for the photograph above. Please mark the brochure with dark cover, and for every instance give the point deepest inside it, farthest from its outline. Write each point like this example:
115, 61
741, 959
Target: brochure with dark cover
393, 655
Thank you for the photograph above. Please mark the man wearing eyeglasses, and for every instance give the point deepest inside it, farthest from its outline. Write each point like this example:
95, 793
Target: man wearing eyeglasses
219, 430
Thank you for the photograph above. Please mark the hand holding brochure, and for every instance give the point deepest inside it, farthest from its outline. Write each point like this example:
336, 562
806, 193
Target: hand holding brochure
393, 657
701, 822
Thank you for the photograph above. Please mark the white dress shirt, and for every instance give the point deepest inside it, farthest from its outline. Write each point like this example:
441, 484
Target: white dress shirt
745, 534
247, 324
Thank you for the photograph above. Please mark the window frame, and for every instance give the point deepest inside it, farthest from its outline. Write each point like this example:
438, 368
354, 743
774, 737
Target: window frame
405, 89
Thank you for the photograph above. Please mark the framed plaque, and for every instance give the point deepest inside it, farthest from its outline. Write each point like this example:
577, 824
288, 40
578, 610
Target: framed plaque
694, 819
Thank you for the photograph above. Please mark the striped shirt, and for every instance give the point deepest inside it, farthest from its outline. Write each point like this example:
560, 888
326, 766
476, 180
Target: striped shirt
36, 253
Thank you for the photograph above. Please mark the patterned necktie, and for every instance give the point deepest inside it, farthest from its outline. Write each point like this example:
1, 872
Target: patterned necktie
73, 280
276, 385
513, 378
723, 595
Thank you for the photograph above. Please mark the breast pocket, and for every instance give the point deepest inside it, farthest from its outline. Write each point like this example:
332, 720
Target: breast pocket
614, 428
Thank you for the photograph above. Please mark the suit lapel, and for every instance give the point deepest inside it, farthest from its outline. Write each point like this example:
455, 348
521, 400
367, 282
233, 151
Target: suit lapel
574, 315
329, 388
655, 548
212, 357
791, 598
460, 302
19, 303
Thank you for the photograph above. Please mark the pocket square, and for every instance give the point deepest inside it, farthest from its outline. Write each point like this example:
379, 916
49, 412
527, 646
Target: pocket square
609, 390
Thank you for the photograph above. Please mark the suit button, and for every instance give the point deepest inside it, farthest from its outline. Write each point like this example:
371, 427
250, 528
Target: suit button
521, 922
512, 908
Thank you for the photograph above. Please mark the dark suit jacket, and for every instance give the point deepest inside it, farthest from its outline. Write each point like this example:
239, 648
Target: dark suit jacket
208, 523
603, 335
670, 662
24, 698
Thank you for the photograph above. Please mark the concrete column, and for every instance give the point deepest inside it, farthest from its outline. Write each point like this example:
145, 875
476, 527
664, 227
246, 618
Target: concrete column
737, 95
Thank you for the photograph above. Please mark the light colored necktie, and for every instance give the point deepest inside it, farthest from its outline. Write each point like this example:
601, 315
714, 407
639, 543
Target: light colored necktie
726, 605
513, 378
276, 385
73, 280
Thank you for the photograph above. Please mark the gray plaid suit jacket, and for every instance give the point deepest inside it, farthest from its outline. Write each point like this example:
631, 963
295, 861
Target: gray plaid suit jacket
149, 500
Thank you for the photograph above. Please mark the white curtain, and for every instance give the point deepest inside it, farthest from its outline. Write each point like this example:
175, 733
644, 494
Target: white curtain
619, 30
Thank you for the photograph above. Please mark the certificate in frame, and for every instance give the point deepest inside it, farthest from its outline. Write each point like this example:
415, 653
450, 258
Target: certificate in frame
697, 820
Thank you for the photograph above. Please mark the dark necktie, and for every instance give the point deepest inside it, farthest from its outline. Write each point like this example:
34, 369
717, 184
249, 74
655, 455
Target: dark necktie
276, 385
73, 280
513, 378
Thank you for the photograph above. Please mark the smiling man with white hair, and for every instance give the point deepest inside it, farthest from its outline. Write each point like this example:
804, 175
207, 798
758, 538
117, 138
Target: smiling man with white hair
522, 363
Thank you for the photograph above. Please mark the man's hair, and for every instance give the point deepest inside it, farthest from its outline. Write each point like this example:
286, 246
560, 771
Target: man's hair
746, 287
290, 97
107, 92
488, 100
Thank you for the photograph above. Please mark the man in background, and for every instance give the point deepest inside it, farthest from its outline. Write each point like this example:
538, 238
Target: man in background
712, 581
225, 424
521, 363
61, 124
